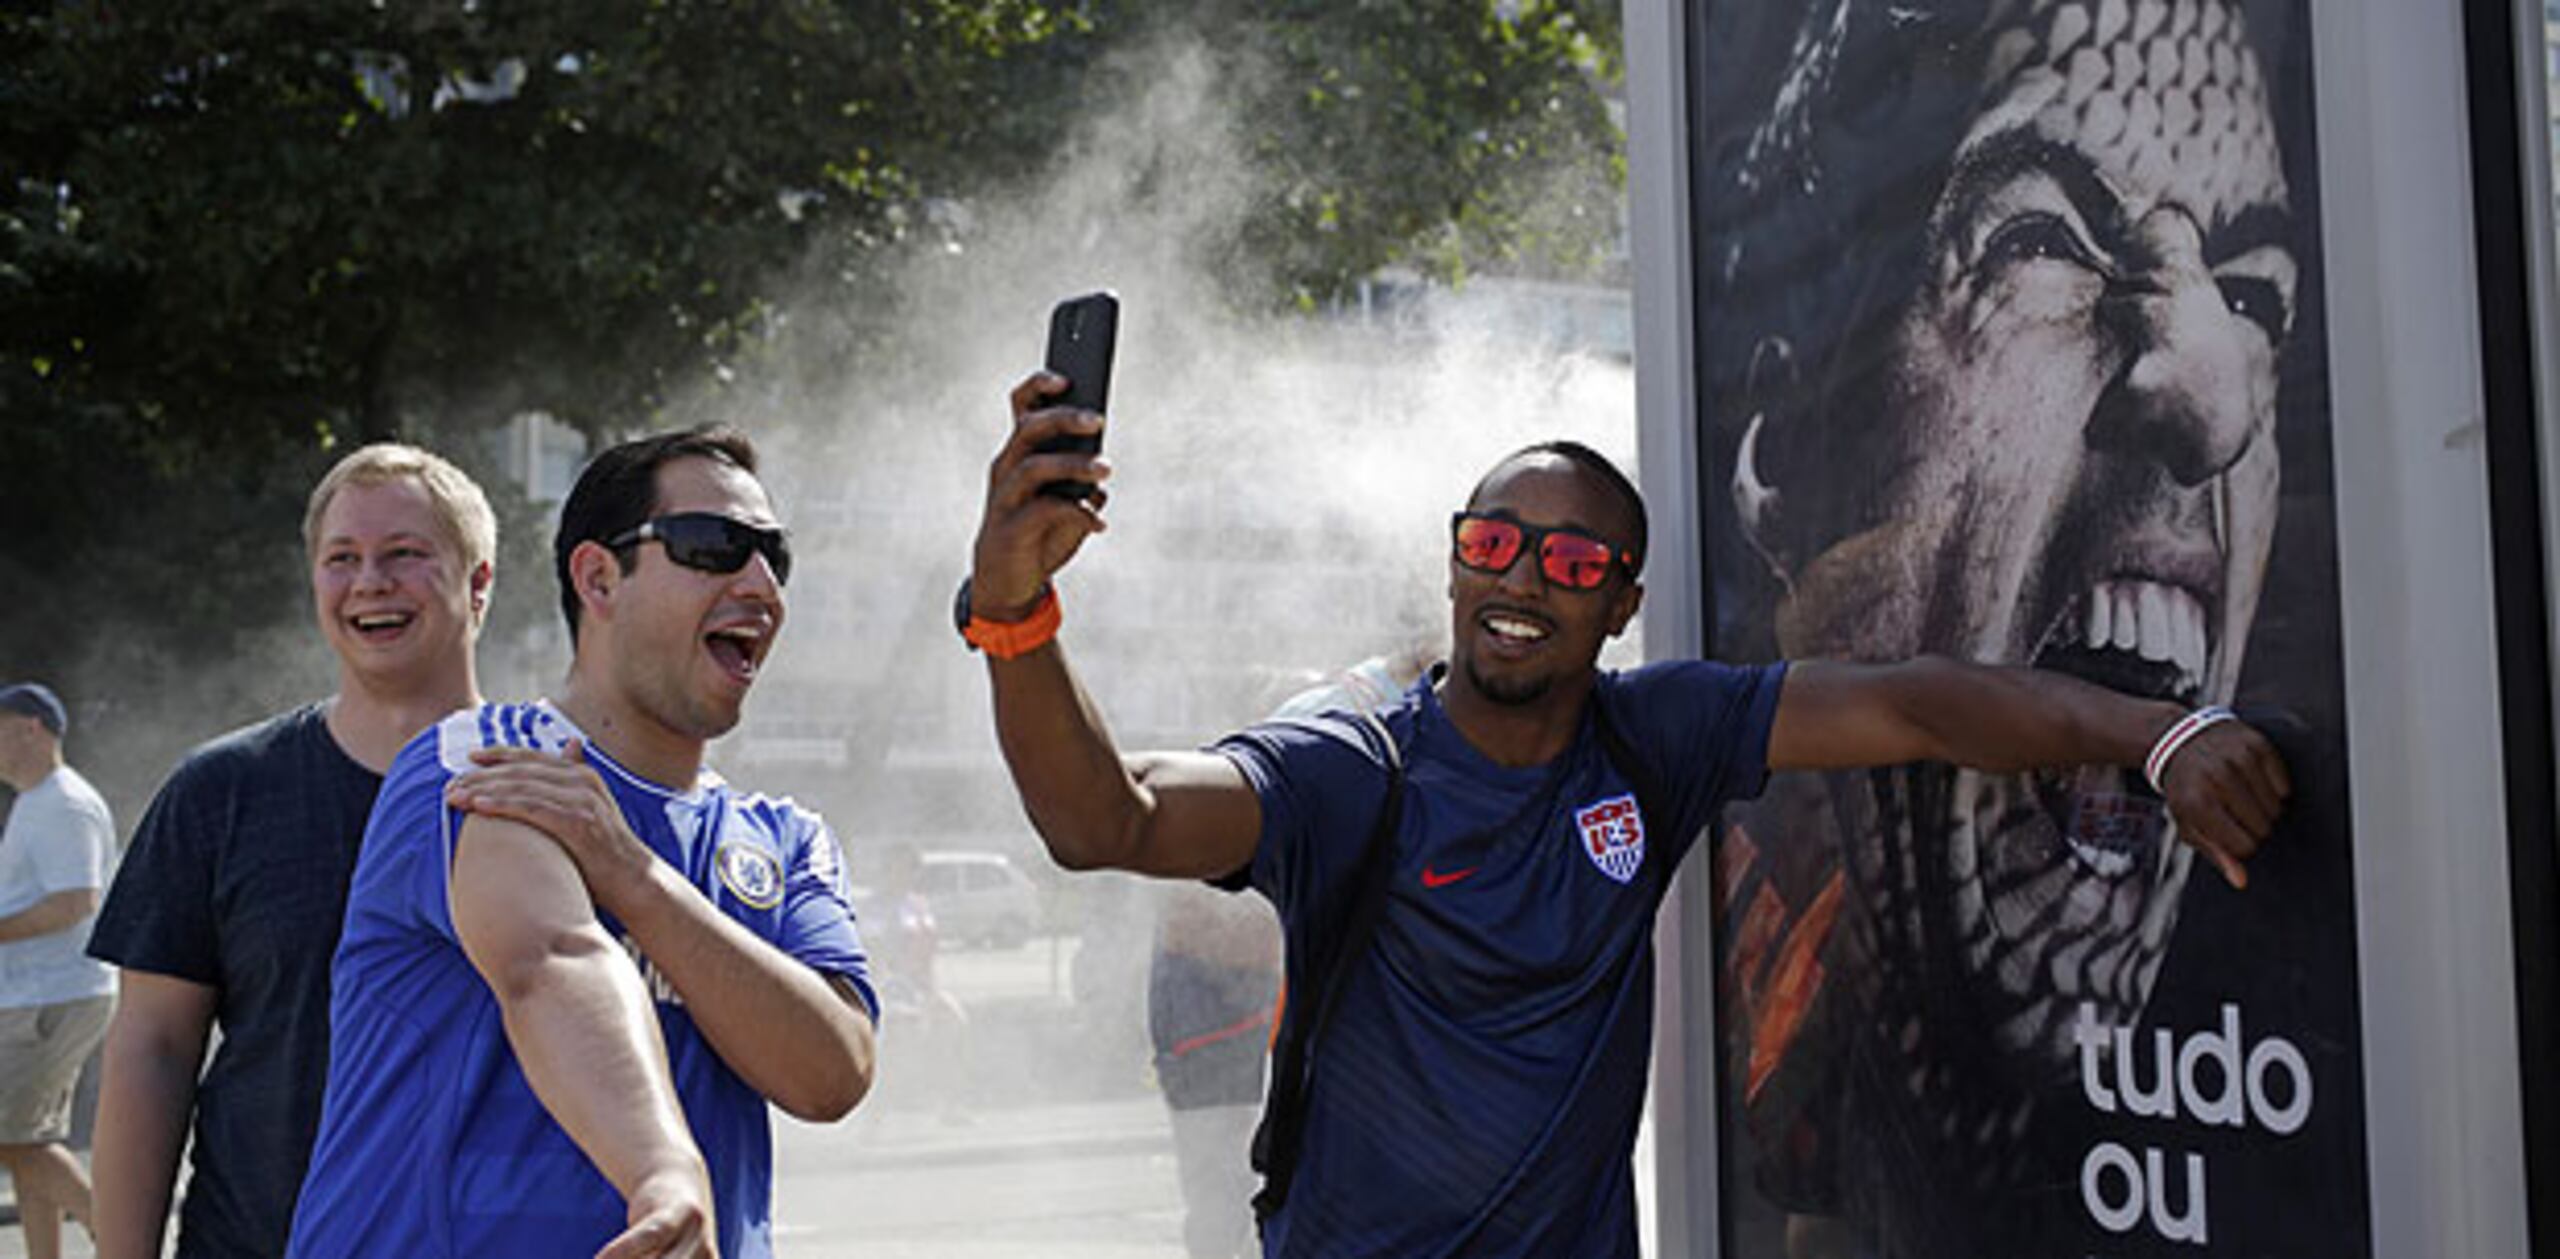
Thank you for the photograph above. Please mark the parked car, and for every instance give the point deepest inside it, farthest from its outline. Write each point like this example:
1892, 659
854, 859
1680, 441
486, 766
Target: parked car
980, 897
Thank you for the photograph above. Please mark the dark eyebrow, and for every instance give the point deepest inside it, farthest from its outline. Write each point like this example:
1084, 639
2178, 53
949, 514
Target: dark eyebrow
2010, 154
2017, 151
2261, 224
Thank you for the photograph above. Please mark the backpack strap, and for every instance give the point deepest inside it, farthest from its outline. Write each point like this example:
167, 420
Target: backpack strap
1621, 756
1314, 990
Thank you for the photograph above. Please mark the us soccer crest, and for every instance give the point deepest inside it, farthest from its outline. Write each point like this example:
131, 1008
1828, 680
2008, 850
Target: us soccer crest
1612, 833
751, 873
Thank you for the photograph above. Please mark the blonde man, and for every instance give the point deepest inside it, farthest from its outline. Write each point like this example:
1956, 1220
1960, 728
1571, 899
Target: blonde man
227, 909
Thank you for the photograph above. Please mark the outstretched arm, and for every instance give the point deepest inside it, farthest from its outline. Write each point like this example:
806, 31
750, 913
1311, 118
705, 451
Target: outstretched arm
581, 1025
801, 1038
2225, 787
1178, 814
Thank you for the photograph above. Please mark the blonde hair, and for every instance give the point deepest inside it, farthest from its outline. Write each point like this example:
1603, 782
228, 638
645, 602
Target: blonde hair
456, 498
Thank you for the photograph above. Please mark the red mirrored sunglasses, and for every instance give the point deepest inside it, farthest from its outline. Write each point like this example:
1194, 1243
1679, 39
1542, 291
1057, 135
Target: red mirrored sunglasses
1566, 557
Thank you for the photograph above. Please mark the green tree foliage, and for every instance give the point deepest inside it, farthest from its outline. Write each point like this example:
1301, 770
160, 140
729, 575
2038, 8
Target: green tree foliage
1454, 137
237, 238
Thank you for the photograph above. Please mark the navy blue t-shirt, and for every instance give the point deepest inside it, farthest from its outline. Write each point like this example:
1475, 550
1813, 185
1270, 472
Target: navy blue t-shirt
1478, 1089
237, 880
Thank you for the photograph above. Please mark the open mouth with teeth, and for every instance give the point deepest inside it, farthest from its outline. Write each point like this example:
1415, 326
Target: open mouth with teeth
737, 649
380, 627
1513, 630
2058, 887
2140, 637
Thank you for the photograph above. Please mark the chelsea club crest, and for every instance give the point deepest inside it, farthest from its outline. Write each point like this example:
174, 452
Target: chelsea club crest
750, 873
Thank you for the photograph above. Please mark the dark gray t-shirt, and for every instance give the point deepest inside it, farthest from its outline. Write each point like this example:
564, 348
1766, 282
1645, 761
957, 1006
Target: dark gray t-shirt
237, 880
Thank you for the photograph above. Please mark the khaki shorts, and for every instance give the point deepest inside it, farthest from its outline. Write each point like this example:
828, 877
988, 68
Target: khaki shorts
41, 1050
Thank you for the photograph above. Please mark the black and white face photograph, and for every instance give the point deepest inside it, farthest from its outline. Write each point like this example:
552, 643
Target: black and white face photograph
2010, 350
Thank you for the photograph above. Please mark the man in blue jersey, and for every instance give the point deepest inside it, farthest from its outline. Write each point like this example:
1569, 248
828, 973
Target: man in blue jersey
1477, 1088
577, 964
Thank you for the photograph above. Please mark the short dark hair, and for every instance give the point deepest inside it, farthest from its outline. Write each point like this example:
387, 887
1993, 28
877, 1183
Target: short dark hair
1819, 216
619, 490
1597, 465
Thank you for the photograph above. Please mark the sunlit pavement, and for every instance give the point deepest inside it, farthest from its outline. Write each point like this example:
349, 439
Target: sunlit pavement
13, 1244
1061, 1150
1080, 1181
1091, 1181
1055, 1145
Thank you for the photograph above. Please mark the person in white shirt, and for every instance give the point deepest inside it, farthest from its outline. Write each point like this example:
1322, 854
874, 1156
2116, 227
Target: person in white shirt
54, 999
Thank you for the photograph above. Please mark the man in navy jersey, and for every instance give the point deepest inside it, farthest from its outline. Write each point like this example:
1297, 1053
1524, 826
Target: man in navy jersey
577, 964
1477, 1089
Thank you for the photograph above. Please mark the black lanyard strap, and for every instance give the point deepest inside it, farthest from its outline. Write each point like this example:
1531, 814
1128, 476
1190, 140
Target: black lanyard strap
1315, 989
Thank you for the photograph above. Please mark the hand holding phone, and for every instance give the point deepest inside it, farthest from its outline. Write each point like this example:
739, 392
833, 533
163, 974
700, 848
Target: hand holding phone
1082, 334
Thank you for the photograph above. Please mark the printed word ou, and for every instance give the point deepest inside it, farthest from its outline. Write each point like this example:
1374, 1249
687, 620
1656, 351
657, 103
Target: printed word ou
2119, 1201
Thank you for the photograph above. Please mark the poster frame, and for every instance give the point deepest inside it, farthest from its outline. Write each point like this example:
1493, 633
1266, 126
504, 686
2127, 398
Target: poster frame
2512, 57
1682, 1107
2435, 920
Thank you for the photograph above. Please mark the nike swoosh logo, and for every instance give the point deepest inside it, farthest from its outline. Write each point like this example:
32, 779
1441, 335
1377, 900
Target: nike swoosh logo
1436, 881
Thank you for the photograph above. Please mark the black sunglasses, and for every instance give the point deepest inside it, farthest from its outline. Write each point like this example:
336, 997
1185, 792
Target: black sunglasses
712, 542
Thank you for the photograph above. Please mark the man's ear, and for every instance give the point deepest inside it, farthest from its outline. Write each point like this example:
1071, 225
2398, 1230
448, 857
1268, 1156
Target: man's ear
483, 579
1757, 501
1624, 606
594, 573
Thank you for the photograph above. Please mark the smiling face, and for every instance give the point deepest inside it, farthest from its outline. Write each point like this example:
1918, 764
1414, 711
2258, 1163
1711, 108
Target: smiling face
1515, 636
396, 599
2076, 467
685, 644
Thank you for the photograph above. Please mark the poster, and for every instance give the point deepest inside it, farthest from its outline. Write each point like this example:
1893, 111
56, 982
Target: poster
2011, 348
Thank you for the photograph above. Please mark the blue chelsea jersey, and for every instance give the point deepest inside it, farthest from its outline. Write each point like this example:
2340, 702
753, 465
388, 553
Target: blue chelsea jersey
431, 1142
1478, 1089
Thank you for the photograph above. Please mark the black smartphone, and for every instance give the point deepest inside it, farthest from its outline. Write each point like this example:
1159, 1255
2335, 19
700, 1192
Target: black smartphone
1082, 333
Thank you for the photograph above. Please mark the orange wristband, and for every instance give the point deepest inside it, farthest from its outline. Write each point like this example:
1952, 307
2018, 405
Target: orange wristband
1005, 640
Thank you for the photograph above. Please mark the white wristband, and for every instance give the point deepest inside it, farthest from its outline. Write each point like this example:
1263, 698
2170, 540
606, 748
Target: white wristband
2176, 737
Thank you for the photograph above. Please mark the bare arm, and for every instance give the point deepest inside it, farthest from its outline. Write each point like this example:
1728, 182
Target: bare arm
2225, 788
1834, 715
1178, 814
56, 912
146, 1094
1171, 814
800, 1038
581, 1026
